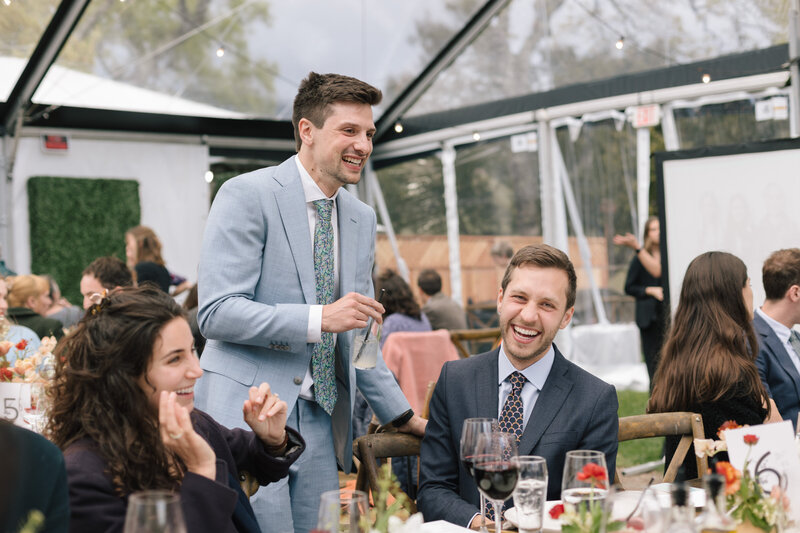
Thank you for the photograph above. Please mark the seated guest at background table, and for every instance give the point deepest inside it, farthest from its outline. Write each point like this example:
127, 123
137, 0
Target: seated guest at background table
564, 407
143, 254
61, 309
707, 365
442, 311
28, 300
402, 310
102, 275
778, 359
123, 415
33, 479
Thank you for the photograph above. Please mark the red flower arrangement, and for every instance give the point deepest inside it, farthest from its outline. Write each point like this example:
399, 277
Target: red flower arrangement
557, 511
21, 345
750, 440
593, 473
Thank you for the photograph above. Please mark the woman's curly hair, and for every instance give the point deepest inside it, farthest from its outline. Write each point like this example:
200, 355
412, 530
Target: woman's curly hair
96, 392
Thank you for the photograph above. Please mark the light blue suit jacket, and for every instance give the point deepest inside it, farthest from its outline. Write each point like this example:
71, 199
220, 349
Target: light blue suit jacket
256, 282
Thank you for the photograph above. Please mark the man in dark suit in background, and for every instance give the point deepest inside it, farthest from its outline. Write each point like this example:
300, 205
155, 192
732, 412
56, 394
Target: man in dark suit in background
778, 359
565, 408
442, 311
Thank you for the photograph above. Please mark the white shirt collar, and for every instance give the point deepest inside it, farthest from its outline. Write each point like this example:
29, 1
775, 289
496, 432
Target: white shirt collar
780, 330
311, 190
536, 374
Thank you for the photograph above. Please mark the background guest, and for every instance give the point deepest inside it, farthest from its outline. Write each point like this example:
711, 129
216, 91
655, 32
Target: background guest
28, 300
143, 253
402, 310
102, 275
61, 309
644, 284
190, 306
442, 311
123, 413
708, 364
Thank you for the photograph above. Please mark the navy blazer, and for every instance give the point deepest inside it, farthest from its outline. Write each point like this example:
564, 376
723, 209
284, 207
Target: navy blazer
575, 410
778, 373
208, 505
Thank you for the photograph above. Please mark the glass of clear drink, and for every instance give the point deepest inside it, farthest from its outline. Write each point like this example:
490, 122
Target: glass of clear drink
585, 478
530, 494
365, 354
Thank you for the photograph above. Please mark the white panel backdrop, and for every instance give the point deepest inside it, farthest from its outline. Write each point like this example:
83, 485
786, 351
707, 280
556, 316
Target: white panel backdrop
745, 204
173, 194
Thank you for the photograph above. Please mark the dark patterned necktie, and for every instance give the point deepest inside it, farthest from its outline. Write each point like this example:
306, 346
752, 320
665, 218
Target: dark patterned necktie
794, 340
322, 364
511, 420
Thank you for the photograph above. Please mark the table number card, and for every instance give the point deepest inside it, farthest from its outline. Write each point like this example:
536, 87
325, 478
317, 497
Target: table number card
14, 398
774, 454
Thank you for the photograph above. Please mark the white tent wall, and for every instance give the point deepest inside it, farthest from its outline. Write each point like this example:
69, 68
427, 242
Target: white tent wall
173, 195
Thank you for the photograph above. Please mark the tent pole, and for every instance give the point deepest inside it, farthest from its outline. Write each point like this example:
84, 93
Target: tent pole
448, 156
794, 69
642, 178
380, 203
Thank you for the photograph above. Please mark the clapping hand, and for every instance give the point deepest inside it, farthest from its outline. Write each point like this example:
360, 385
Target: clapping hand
266, 414
178, 435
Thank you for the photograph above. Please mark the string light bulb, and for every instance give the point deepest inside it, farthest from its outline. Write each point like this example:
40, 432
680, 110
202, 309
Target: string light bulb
220, 51
476, 136
706, 77
398, 127
209, 176
620, 42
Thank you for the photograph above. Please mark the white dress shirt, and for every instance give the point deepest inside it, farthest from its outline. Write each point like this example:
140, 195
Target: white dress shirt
312, 192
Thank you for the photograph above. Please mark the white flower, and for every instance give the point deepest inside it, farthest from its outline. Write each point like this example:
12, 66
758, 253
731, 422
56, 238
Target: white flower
412, 525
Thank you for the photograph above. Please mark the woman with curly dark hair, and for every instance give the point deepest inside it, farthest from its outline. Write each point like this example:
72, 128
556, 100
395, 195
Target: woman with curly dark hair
402, 310
123, 415
707, 365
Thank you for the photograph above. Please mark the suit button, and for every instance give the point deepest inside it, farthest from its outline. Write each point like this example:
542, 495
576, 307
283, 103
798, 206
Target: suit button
298, 380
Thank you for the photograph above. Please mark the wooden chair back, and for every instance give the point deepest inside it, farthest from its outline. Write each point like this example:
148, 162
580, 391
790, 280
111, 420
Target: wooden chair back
688, 425
466, 340
372, 450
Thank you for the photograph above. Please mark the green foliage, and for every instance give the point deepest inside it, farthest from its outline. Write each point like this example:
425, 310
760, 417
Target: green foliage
414, 194
636, 452
73, 221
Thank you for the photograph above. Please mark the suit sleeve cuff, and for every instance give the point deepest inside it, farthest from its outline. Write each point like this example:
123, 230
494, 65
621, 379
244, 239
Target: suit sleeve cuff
314, 332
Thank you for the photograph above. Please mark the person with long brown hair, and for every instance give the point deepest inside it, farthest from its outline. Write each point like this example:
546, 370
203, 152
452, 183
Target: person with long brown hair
144, 258
123, 414
643, 282
402, 310
707, 365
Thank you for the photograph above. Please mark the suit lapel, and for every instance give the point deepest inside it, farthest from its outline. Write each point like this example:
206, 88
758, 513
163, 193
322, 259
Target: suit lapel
774, 344
551, 398
291, 203
485, 398
348, 242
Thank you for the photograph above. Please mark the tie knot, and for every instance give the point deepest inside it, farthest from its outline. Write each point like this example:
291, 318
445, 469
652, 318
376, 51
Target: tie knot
324, 208
517, 380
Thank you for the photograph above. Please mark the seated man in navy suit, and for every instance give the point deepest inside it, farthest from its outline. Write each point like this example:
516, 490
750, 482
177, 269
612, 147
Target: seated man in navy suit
564, 407
778, 360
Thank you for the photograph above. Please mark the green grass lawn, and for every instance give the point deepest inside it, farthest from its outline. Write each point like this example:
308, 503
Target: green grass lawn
640, 451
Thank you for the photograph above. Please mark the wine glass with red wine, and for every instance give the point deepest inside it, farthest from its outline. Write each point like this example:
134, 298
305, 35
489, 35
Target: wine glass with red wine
470, 431
494, 472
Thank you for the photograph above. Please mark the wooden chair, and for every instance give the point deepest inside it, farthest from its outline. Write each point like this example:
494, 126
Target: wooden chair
372, 450
465, 339
688, 425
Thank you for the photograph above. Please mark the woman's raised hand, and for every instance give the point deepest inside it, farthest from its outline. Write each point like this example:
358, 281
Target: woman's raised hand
179, 436
266, 414
629, 240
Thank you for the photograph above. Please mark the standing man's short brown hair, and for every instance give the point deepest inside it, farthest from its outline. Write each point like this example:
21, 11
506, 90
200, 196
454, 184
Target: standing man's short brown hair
544, 256
781, 270
318, 91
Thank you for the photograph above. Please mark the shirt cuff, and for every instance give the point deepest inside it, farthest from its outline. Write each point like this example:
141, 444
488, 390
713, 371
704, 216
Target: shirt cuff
314, 331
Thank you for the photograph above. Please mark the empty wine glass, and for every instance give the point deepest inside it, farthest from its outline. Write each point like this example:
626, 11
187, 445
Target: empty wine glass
154, 511
530, 493
585, 477
342, 512
33, 406
470, 431
493, 470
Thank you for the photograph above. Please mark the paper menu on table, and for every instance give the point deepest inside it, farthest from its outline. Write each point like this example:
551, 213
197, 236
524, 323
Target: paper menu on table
775, 454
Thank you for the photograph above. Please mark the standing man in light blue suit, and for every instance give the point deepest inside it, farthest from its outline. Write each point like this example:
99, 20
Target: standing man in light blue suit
778, 359
284, 279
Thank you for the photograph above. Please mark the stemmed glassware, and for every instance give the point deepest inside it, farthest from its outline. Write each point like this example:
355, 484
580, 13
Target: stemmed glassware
34, 407
154, 511
585, 477
342, 511
493, 469
470, 431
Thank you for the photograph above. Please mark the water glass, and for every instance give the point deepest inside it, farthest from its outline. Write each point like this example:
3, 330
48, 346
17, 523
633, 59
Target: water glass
344, 511
154, 511
366, 355
585, 477
638, 510
530, 494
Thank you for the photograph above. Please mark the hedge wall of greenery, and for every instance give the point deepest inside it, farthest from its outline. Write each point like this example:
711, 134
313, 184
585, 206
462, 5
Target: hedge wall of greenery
73, 221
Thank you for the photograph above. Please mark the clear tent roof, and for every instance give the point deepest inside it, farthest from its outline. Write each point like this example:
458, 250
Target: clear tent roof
245, 58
